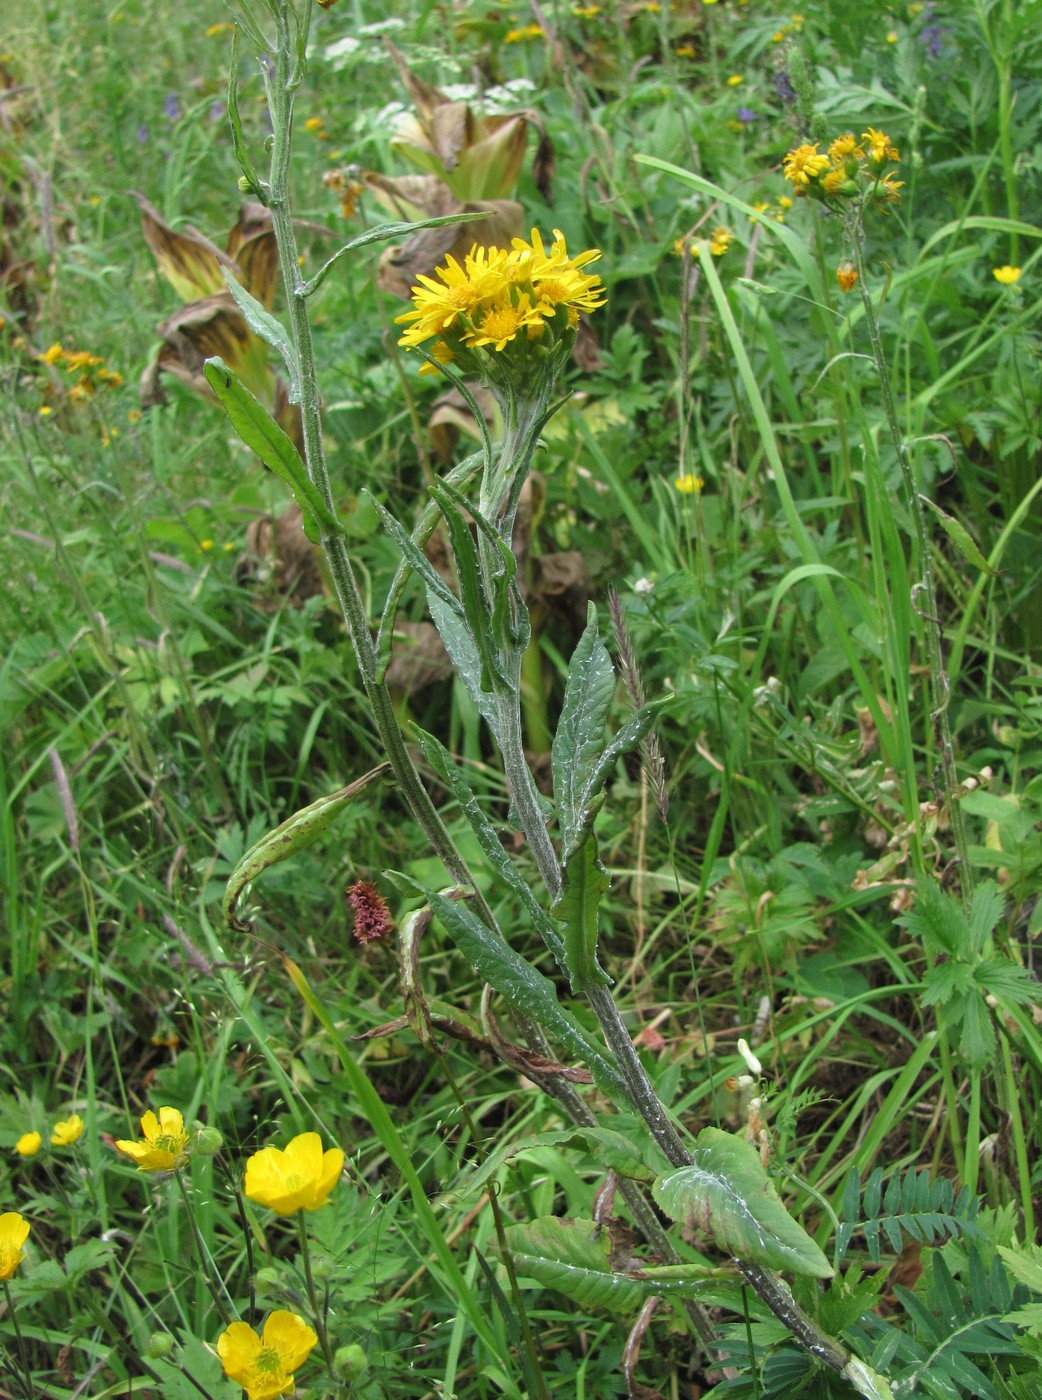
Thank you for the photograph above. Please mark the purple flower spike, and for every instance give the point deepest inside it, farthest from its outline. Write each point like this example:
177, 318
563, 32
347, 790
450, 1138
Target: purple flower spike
746, 114
172, 107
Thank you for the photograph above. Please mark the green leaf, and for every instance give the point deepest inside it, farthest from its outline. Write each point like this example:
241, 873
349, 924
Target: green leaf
293, 835
449, 772
433, 581
380, 234
584, 882
580, 738
521, 985
83, 1258
463, 653
262, 323
960, 538
242, 155
727, 1193
573, 1257
262, 434
610, 1149
472, 595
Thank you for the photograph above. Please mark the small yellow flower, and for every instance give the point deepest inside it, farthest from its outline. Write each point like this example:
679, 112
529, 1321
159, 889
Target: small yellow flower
264, 1365
880, 146
686, 51
804, 164
28, 1144
689, 484
846, 276
45, 411
52, 355
442, 352
891, 38
586, 11
841, 148
223, 28
299, 1178
165, 1146
314, 124
720, 240
735, 79
68, 1131
133, 415
1006, 275
76, 360
14, 1231
206, 545
520, 36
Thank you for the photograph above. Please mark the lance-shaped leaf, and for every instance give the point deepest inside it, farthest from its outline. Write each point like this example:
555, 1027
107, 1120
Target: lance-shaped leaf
727, 1193
449, 772
455, 633
574, 1257
507, 603
581, 734
472, 595
583, 885
260, 432
293, 835
522, 986
271, 331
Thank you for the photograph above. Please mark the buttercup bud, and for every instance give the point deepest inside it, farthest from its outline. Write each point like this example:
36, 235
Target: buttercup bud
350, 1361
158, 1345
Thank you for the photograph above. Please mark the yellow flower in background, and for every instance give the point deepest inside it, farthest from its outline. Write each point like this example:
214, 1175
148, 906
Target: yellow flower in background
299, 1178
14, 1231
720, 240
520, 36
52, 355
165, 1145
846, 276
68, 1131
264, 1365
735, 79
1006, 275
689, 484
28, 1144
801, 165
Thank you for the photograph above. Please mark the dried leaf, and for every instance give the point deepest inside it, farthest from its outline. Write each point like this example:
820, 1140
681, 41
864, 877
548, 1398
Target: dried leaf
186, 257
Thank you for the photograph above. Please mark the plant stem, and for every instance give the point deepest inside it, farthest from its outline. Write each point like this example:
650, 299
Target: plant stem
19, 1341
247, 1234
213, 1280
316, 1312
940, 686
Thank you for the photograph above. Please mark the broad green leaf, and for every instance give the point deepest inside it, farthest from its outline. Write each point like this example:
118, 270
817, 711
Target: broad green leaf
727, 1193
293, 835
261, 322
581, 737
573, 1257
463, 653
960, 538
584, 883
441, 761
262, 434
521, 985
609, 1148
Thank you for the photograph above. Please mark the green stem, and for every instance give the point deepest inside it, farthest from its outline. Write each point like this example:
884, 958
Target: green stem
317, 1313
940, 687
19, 1342
247, 1233
213, 1280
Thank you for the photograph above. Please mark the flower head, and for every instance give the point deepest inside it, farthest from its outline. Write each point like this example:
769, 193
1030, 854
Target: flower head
880, 146
299, 1178
68, 1131
720, 240
165, 1145
689, 484
28, 1144
803, 163
264, 1365
14, 1231
1006, 275
846, 276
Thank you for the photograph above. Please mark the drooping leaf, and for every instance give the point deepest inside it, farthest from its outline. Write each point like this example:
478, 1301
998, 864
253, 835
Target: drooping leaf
727, 1193
293, 835
260, 432
573, 1257
472, 597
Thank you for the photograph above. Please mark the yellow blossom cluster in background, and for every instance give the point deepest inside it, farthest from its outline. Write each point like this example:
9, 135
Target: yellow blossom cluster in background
849, 169
522, 35
64, 1133
91, 370
794, 26
496, 297
1006, 275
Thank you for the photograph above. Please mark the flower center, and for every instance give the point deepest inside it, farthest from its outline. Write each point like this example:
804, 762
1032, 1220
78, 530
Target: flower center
268, 1361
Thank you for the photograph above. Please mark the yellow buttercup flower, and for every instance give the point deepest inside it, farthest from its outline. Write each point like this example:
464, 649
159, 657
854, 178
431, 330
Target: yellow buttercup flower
28, 1144
804, 164
689, 484
1006, 275
720, 240
165, 1145
68, 1131
299, 1178
14, 1231
264, 1365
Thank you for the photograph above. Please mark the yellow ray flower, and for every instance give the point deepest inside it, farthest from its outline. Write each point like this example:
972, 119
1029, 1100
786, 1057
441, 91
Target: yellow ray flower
264, 1365
68, 1131
165, 1146
14, 1231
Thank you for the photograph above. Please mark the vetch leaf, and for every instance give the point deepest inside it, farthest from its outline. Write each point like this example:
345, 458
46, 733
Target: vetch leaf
727, 1193
293, 835
262, 434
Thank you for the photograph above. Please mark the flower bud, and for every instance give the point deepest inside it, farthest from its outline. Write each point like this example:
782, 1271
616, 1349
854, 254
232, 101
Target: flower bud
267, 1278
158, 1345
207, 1142
350, 1361
245, 185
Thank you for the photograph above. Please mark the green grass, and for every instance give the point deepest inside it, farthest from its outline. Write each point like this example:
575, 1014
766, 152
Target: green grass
164, 703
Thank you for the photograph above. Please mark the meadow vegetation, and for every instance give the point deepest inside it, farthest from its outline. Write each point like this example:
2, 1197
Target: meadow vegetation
521, 808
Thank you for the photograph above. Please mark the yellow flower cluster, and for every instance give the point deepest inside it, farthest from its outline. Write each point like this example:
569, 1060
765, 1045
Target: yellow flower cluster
91, 370
850, 168
520, 36
720, 239
64, 1134
496, 298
